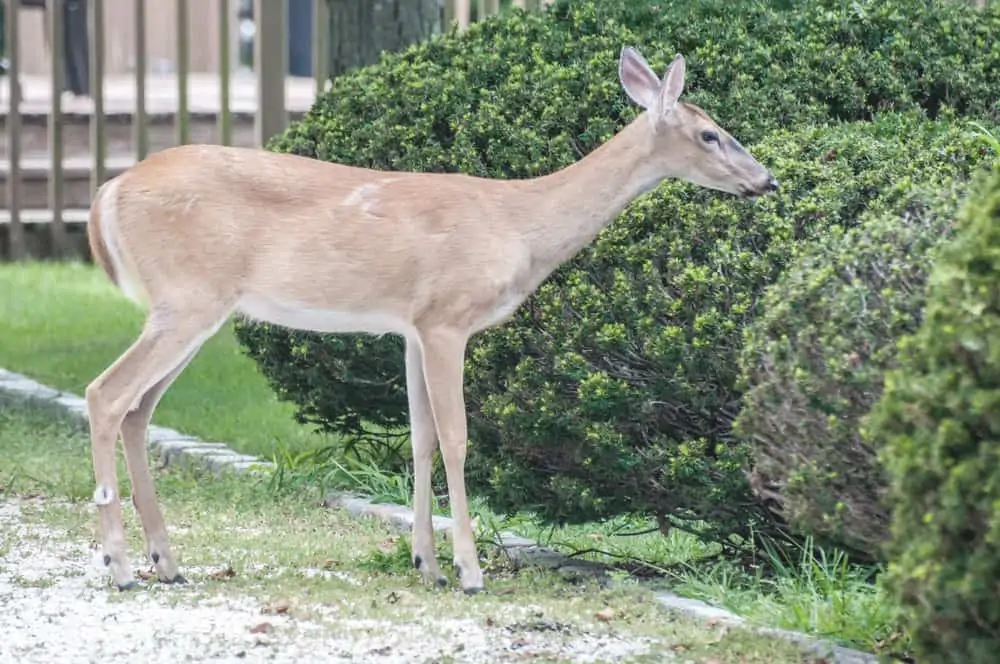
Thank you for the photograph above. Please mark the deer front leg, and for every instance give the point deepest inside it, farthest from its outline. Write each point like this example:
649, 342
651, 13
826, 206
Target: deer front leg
424, 441
444, 355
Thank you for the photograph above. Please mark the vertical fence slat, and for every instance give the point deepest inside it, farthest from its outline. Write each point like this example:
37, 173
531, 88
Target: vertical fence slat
321, 36
492, 7
225, 70
183, 59
18, 248
449, 13
463, 11
270, 57
54, 30
140, 128
98, 146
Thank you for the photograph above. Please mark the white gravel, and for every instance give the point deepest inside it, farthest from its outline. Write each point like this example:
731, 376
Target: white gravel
55, 608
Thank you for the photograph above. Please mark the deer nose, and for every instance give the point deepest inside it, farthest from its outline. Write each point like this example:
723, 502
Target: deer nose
772, 184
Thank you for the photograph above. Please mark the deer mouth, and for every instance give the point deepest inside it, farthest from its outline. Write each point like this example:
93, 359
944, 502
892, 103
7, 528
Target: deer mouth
751, 193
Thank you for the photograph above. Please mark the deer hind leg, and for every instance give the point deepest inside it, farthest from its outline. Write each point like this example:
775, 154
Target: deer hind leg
166, 340
444, 357
424, 440
133, 429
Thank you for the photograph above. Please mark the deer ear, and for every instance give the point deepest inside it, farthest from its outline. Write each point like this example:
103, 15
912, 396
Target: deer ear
637, 78
673, 85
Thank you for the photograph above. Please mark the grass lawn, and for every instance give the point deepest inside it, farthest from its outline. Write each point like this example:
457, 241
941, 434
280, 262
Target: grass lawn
818, 594
275, 577
64, 323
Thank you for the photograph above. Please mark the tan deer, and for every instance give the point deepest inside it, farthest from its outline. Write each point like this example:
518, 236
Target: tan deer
196, 233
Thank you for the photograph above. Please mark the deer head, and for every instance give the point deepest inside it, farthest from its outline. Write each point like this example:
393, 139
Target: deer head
684, 141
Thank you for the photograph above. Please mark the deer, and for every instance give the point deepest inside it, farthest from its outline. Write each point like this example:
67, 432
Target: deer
198, 233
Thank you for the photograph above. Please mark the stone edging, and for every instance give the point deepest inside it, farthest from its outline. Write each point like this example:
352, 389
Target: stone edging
174, 448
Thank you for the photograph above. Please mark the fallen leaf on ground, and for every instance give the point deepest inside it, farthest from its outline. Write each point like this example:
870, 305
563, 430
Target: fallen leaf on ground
400, 597
262, 628
606, 614
225, 573
279, 608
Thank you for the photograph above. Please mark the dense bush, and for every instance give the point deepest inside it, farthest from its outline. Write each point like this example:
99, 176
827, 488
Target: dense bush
938, 428
814, 359
613, 388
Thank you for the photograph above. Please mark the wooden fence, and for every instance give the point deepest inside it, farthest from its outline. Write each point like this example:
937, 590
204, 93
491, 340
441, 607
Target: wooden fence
60, 148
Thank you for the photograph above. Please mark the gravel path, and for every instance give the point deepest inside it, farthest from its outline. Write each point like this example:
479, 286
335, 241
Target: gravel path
58, 610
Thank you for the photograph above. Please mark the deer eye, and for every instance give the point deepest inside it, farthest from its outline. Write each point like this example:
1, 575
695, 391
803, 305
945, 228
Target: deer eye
710, 136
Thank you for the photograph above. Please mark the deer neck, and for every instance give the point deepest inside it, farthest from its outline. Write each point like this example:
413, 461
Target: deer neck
583, 198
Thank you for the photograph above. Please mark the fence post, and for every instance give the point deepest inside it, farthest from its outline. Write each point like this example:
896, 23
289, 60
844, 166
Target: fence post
270, 64
183, 53
225, 70
141, 136
97, 142
321, 38
55, 30
463, 9
18, 248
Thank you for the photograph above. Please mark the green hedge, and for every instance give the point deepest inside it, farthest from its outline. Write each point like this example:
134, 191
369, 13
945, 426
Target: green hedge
814, 360
615, 389
938, 426
526, 94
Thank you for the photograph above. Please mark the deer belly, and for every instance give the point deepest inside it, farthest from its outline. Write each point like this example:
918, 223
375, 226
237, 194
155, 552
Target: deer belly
503, 309
301, 317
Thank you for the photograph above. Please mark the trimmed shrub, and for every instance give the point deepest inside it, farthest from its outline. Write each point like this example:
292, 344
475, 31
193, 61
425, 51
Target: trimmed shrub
629, 383
938, 428
614, 390
814, 359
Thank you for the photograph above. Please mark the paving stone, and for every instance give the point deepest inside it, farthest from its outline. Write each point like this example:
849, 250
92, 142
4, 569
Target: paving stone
161, 434
31, 389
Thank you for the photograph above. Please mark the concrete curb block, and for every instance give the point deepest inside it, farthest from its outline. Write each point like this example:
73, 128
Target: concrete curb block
825, 650
170, 447
174, 448
521, 551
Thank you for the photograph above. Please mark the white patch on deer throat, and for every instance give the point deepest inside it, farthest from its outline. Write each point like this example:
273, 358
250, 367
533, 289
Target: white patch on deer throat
103, 495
